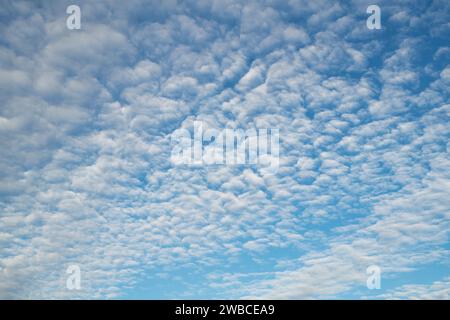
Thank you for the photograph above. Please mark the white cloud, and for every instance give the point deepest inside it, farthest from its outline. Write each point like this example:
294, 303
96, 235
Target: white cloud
86, 119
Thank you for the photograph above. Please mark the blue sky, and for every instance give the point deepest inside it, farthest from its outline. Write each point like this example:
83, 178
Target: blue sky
86, 118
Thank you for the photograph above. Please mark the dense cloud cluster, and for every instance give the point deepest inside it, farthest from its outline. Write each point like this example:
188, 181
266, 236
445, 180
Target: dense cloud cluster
85, 122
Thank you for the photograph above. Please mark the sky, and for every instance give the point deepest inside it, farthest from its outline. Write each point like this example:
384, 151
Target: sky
87, 115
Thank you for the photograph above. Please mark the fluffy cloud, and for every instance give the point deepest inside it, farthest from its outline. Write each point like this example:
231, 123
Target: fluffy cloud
87, 116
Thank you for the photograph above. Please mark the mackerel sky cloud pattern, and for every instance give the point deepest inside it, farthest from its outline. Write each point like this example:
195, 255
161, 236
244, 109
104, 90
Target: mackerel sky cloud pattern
363, 179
